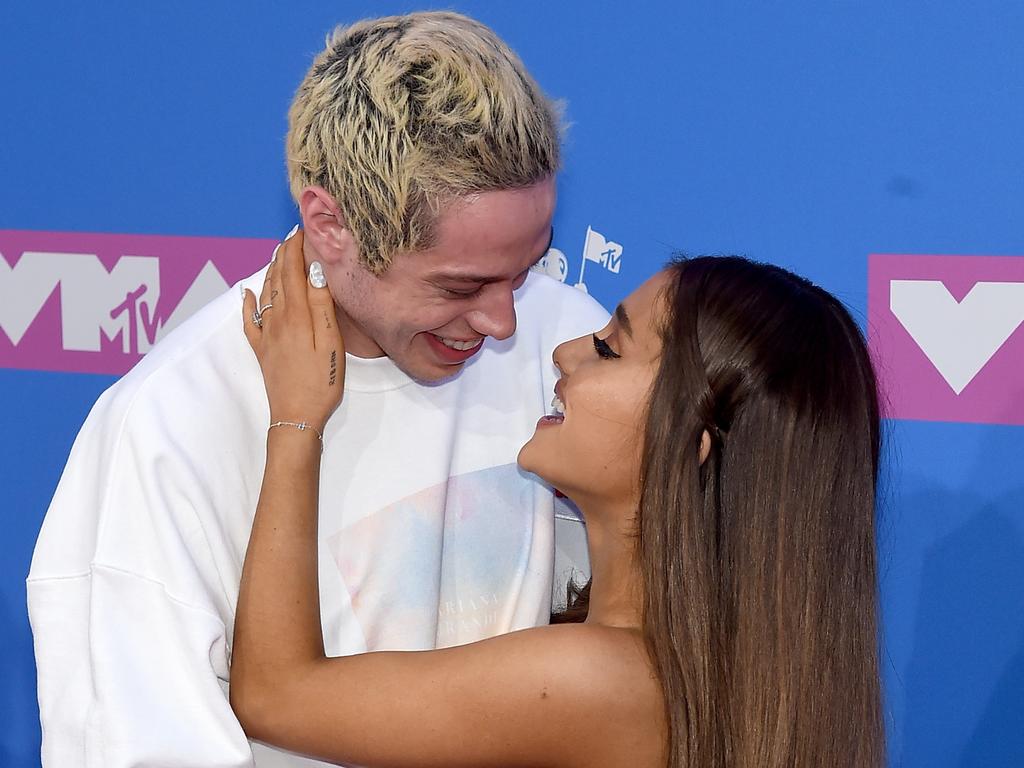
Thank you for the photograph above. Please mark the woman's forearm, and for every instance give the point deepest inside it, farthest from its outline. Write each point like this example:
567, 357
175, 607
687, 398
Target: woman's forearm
277, 630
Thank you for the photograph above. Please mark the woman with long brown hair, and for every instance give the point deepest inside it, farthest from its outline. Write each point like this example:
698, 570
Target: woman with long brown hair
721, 438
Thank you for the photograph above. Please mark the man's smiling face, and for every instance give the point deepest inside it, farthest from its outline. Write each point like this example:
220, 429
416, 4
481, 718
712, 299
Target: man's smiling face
432, 309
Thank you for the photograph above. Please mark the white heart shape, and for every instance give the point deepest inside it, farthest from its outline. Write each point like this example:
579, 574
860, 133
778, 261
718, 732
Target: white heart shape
958, 337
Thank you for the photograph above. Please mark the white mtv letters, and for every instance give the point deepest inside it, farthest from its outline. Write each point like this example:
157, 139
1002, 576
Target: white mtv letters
23, 291
959, 338
95, 301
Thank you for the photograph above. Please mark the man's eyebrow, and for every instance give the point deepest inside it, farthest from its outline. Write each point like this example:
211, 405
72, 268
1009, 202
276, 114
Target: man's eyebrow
623, 318
456, 277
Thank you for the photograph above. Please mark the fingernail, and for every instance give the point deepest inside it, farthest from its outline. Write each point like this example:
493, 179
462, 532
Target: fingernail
290, 234
316, 275
241, 290
277, 248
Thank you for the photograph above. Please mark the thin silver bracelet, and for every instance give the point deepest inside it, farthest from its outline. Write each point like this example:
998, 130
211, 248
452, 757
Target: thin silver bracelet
300, 425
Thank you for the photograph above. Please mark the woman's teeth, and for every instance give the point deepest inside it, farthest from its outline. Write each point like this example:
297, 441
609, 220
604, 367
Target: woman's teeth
557, 406
461, 346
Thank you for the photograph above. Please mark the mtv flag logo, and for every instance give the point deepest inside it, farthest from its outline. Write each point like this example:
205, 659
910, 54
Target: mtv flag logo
604, 252
947, 335
95, 303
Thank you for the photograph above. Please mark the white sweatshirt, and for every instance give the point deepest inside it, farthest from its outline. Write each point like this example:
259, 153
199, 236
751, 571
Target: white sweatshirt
429, 533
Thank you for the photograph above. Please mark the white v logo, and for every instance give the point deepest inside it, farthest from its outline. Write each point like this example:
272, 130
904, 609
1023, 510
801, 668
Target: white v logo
958, 337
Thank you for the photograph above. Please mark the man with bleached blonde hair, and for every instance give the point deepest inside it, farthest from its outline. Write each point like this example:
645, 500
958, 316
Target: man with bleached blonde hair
422, 157
418, 125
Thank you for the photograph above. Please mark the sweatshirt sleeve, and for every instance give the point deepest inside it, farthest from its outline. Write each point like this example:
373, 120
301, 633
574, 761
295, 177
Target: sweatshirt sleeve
128, 676
131, 649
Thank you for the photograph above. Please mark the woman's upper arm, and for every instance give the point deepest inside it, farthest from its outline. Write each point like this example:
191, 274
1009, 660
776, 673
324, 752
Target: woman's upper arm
529, 698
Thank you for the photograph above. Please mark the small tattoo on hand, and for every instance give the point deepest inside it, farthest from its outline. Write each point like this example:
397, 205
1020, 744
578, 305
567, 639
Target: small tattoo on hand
273, 295
327, 319
334, 367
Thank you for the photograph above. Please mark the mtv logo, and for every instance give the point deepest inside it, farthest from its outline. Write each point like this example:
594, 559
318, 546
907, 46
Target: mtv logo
947, 336
95, 303
604, 252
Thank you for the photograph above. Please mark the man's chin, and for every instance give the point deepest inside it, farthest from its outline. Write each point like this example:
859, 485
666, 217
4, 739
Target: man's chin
427, 373
438, 379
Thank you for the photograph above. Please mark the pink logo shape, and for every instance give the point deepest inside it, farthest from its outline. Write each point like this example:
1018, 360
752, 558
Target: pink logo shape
95, 303
947, 336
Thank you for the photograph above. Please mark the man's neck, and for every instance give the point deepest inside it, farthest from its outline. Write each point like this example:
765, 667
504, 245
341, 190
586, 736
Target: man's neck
357, 341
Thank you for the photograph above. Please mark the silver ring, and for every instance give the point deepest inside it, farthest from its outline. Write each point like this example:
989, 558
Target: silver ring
257, 319
264, 308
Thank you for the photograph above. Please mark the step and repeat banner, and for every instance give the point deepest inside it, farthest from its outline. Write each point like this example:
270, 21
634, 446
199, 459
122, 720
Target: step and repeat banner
874, 147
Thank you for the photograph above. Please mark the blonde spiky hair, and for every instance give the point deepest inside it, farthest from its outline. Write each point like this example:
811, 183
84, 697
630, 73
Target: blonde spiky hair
403, 114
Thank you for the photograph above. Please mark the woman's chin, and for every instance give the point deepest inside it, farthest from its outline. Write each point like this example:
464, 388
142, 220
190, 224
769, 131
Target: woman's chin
530, 458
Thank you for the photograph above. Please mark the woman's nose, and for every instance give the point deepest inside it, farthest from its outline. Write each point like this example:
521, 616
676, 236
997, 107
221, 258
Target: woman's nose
567, 354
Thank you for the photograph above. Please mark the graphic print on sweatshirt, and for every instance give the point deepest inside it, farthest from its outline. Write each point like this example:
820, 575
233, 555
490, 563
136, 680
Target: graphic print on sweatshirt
458, 555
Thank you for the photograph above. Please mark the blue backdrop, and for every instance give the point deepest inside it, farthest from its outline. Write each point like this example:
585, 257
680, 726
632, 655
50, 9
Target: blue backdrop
806, 133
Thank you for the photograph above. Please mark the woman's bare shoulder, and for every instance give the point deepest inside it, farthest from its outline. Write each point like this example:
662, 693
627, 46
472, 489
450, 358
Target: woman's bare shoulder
595, 681
566, 695
601, 654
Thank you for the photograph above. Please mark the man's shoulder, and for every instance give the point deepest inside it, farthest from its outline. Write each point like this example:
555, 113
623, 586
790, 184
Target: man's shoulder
547, 304
549, 292
198, 365
155, 441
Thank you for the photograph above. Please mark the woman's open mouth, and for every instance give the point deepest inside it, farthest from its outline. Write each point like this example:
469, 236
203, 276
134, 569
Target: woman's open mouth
557, 416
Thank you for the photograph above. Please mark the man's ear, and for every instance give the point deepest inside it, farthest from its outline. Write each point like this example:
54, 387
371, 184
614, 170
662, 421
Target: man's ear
324, 227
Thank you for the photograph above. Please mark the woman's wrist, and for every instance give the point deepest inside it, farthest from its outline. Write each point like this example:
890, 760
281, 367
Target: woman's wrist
293, 441
301, 426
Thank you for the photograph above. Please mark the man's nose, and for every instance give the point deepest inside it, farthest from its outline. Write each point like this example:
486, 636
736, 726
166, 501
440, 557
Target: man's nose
495, 315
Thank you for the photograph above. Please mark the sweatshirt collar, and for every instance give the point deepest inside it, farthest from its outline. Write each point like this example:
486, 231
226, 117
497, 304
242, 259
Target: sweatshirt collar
374, 374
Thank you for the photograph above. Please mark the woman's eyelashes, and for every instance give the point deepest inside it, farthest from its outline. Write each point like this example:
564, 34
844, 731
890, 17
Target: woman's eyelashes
603, 350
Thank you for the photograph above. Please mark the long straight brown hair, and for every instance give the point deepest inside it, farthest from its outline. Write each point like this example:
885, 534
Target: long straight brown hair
759, 564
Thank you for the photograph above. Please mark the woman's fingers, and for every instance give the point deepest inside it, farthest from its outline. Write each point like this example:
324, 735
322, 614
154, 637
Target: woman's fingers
323, 314
275, 297
293, 273
327, 338
265, 293
252, 332
299, 348
271, 296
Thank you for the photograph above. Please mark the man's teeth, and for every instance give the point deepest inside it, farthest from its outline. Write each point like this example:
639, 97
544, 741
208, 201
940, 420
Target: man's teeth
557, 406
461, 346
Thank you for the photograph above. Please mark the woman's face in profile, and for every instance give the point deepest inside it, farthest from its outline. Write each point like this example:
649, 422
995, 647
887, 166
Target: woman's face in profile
593, 454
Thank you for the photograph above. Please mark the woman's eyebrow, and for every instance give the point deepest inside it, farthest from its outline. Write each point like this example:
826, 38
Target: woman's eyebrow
623, 318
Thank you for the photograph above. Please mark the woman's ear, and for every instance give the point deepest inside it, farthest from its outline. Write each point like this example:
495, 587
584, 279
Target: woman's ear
705, 446
324, 227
